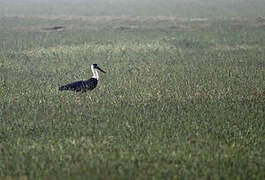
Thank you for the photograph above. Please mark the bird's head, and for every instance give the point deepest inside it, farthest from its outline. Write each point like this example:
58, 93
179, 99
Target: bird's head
95, 66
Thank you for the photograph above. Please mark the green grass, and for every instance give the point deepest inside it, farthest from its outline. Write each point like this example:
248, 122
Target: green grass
182, 98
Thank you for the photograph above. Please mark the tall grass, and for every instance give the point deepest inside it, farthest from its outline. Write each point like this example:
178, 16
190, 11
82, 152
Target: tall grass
176, 103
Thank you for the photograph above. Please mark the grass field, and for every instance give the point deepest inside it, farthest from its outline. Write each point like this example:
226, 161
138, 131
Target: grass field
183, 96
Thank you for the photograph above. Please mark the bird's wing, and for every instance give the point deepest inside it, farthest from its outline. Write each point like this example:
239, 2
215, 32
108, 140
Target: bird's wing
90, 83
75, 86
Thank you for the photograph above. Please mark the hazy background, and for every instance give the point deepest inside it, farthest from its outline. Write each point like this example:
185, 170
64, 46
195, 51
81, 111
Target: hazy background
187, 8
183, 96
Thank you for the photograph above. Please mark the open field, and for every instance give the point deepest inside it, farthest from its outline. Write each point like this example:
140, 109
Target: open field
183, 97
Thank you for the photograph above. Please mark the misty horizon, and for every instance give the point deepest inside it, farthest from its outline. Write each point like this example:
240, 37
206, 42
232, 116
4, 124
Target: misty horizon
179, 8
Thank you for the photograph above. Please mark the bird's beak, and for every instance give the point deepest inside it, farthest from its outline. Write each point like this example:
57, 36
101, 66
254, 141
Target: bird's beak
100, 69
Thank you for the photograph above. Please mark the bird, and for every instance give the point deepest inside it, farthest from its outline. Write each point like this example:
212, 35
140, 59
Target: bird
87, 85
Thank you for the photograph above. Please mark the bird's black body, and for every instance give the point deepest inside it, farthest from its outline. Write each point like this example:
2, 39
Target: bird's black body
82, 86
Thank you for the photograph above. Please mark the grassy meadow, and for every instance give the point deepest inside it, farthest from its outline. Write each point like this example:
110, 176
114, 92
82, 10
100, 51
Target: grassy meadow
183, 96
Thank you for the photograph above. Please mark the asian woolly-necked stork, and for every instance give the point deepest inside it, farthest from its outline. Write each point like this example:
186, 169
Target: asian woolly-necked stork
86, 85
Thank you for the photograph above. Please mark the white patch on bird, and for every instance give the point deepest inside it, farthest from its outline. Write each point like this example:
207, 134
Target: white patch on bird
95, 72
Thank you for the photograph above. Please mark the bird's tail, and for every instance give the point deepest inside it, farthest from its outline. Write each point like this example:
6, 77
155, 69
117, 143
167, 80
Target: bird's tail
63, 88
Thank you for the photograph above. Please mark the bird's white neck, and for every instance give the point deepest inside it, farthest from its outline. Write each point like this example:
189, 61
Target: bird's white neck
95, 72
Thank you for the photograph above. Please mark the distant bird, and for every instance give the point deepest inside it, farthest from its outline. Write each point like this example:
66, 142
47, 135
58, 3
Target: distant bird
84, 86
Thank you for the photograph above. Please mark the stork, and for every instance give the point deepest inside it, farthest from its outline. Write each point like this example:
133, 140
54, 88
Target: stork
86, 85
